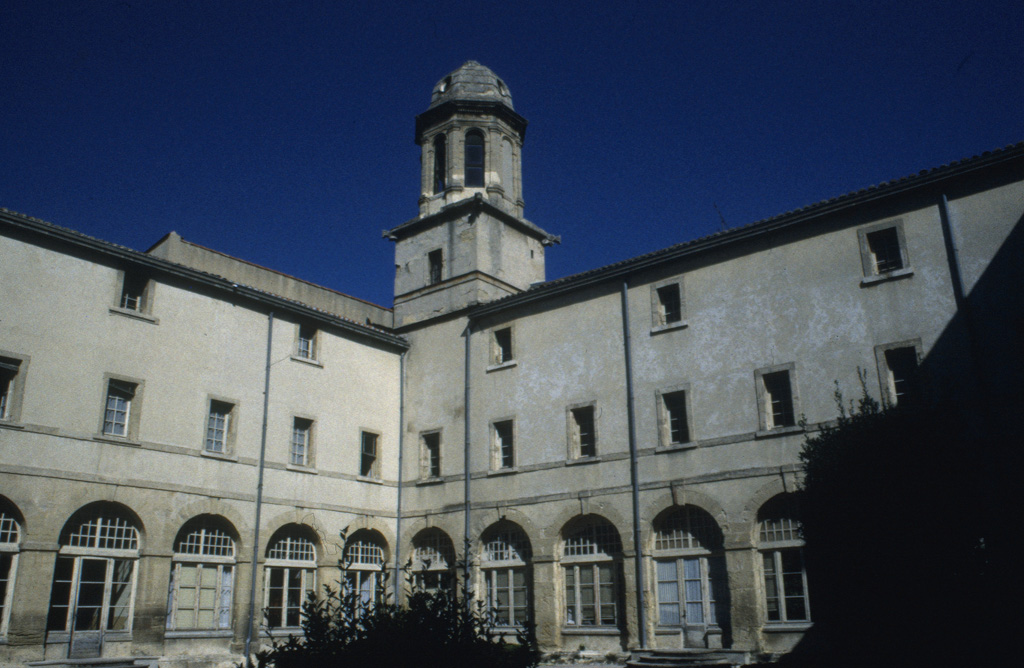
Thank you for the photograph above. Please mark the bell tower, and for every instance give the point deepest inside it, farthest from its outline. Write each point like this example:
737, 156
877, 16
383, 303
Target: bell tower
470, 243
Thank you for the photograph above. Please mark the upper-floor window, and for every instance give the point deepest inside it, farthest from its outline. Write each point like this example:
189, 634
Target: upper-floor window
134, 292
10, 369
430, 458
501, 346
369, 460
306, 343
220, 424
667, 305
435, 267
504, 452
440, 163
120, 414
302, 442
474, 159
898, 371
582, 432
883, 251
776, 399
673, 420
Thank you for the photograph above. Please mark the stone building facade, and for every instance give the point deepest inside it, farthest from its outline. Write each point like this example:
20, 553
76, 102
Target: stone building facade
183, 434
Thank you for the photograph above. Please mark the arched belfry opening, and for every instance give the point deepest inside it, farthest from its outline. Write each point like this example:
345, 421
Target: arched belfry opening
470, 233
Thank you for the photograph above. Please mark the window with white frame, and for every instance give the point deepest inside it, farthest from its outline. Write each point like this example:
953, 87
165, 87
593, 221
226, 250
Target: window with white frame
501, 346
689, 568
10, 541
667, 306
898, 371
505, 568
430, 454
289, 576
10, 386
202, 577
781, 545
369, 457
433, 561
582, 426
776, 396
503, 448
134, 295
590, 568
219, 427
673, 417
364, 569
883, 251
306, 343
301, 442
94, 576
120, 412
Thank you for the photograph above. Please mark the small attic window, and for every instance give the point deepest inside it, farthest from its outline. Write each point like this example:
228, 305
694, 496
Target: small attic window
445, 84
502, 88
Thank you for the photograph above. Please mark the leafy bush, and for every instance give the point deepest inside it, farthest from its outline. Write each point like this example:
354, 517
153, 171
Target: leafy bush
439, 628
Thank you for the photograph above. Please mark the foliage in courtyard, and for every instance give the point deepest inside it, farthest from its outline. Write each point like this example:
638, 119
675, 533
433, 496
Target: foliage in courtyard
443, 628
907, 532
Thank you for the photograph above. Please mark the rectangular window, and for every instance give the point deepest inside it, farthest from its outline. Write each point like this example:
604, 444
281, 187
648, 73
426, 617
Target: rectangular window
117, 414
898, 371
778, 399
369, 462
590, 598
9, 368
502, 346
431, 457
504, 445
284, 591
785, 585
302, 442
667, 305
675, 423
507, 595
306, 347
219, 425
670, 304
134, 292
883, 251
201, 596
582, 432
435, 260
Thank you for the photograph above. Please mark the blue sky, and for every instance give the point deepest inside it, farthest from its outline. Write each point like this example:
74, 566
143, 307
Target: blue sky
282, 132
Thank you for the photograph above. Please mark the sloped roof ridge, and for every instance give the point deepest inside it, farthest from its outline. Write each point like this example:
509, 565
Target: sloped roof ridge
764, 222
159, 260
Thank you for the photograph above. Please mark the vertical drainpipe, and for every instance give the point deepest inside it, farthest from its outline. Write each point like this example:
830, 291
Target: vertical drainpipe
401, 441
259, 492
465, 452
634, 474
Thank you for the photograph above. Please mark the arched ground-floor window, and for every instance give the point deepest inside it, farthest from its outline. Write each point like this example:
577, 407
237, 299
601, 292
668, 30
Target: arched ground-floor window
591, 564
10, 540
202, 576
93, 591
504, 567
782, 561
289, 576
364, 568
433, 561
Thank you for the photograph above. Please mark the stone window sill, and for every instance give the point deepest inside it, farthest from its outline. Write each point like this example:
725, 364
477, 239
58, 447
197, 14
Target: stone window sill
500, 472
778, 431
135, 315
306, 360
591, 630
301, 469
583, 460
430, 481
219, 456
659, 329
200, 633
677, 447
372, 481
787, 627
119, 440
906, 272
504, 365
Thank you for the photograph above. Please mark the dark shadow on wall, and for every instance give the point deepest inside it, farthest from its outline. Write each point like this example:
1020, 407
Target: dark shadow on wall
912, 514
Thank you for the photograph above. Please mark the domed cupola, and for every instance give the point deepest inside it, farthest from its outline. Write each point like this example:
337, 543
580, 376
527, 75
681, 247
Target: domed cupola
472, 141
472, 81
